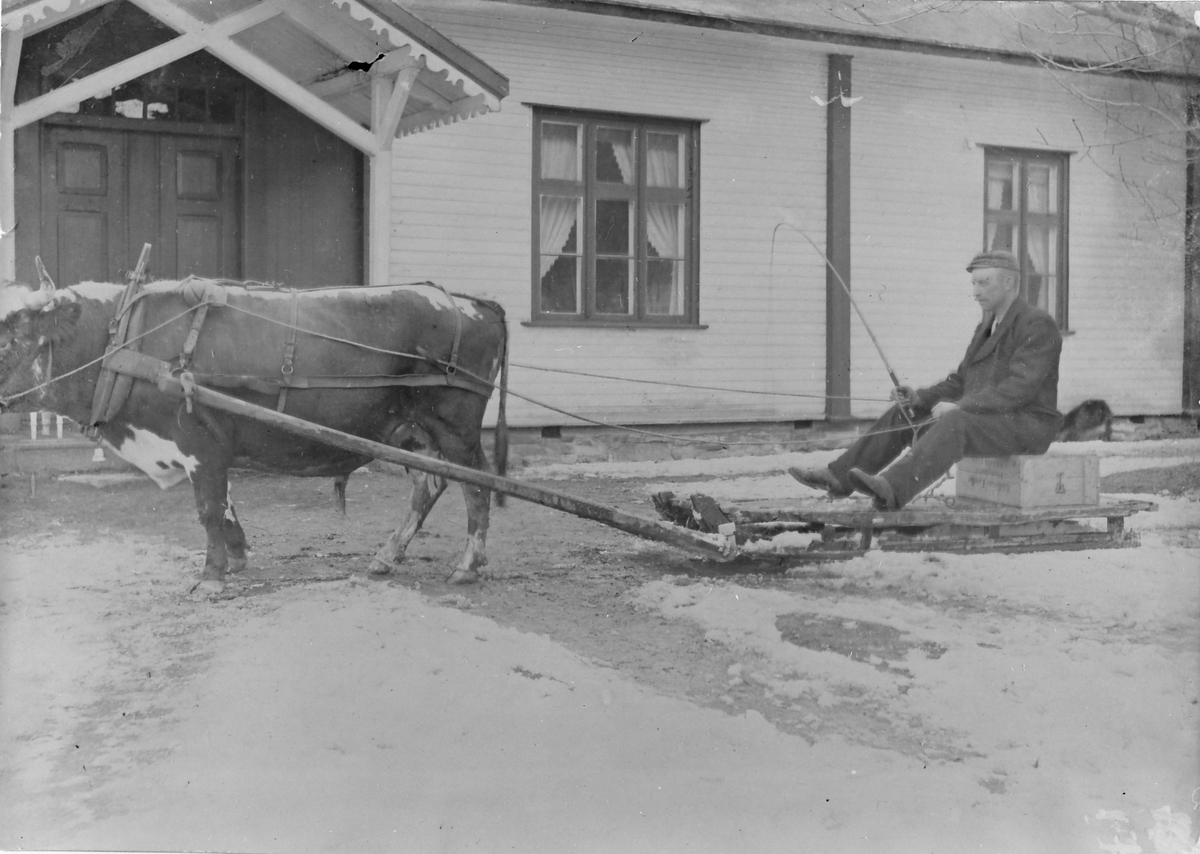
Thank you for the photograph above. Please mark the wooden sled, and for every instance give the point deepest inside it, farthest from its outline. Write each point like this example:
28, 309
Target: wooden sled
847, 528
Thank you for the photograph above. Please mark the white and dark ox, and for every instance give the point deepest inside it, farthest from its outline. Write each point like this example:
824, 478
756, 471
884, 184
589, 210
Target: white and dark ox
394, 342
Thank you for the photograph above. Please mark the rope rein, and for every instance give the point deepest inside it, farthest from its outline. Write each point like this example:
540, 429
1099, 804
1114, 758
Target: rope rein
550, 407
484, 381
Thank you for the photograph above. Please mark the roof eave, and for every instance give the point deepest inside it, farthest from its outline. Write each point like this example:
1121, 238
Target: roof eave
483, 74
805, 32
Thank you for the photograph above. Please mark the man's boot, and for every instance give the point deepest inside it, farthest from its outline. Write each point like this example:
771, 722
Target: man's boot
821, 478
875, 486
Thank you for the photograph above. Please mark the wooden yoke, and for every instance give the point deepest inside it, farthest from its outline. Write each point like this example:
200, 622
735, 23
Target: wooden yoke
111, 385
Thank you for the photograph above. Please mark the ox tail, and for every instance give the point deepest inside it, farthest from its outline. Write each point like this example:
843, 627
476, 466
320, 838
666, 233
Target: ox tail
500, 450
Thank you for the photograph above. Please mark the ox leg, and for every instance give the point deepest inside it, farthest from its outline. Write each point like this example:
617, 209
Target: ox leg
479, 502
235, 537
426, 490
339, 492
212, 502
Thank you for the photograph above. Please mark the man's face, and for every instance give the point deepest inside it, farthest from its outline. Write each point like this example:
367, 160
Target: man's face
993, 288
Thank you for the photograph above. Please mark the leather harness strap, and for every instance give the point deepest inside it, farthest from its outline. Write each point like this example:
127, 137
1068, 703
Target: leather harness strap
289, 353
189, 345
141, 366
123, 363
452, 365
118, 333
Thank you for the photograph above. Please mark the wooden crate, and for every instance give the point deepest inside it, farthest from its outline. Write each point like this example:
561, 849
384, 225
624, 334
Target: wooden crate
1048, 480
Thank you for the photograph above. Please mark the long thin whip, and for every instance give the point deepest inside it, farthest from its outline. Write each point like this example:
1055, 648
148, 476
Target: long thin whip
904, 407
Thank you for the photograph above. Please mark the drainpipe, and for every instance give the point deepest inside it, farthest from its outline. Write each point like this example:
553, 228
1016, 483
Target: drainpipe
837, 240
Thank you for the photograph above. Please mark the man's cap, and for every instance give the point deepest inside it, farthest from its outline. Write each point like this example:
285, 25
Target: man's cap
995, 258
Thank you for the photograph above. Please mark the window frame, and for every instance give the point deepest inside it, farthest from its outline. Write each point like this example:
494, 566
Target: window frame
589, 190
1020, 217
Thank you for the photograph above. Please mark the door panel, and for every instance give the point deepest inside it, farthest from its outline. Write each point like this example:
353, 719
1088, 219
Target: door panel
200, 232
199, 242
86, 236
84, 201
106, 193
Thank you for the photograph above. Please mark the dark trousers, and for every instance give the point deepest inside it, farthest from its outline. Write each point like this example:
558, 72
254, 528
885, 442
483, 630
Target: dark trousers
939, 445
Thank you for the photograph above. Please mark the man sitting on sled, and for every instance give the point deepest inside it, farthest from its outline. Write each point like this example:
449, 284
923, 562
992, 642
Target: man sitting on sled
1002, 400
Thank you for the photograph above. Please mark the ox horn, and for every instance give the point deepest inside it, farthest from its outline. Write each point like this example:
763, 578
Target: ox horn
45, 293
43, 276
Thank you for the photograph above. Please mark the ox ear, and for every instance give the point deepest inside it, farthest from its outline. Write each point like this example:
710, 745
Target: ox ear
56, 322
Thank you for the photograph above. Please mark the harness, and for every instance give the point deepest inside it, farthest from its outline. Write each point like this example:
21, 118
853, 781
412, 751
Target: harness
113, 388
123, 362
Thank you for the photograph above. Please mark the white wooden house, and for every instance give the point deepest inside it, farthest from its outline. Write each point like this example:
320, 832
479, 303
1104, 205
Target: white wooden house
899, 183
241, 138
654, 198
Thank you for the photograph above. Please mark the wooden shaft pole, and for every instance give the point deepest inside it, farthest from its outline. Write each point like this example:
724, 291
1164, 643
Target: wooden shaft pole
712, 546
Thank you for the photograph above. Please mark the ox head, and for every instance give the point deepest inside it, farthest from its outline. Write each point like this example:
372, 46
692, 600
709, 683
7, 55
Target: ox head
29, 321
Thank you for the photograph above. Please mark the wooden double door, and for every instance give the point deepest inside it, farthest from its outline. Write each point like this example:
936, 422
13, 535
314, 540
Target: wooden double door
105, 193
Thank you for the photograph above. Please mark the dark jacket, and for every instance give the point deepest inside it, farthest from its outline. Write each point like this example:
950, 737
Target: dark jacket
1015, 370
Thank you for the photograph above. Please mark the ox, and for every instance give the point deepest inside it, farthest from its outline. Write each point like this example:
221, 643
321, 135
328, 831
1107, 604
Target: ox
420, 362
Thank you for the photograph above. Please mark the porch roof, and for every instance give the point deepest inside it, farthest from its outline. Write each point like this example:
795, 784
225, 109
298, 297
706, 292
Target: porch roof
324, 57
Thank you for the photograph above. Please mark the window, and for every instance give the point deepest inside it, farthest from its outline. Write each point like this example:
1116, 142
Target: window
614, 220
197, 88
1025, 212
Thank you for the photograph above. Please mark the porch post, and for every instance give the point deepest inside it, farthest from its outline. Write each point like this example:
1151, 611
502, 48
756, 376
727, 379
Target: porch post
11, 47
379, 190
389, 95
837, 240
379, 218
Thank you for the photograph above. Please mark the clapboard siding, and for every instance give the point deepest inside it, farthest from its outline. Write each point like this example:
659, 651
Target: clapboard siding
765, 323
462, 217
1125, 268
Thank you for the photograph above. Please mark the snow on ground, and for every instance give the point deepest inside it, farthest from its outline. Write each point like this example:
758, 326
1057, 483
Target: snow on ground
1074, 673
1131, 455
1025, 703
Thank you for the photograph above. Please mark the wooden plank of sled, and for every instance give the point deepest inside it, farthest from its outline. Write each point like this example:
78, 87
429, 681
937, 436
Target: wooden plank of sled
710, 513
967, 512
964, 512
1005, 545
674, 509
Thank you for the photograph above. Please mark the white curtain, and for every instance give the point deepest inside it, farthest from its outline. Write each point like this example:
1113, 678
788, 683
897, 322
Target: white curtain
559, 162
560, 152
663, 221
662, 160
1040, 246
663, 233
1000, 178
662, 228
558, 218
621, 142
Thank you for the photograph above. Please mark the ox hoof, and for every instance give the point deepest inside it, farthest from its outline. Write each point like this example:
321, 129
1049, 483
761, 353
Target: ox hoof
463, 576
237, 564
208, 587
379, 567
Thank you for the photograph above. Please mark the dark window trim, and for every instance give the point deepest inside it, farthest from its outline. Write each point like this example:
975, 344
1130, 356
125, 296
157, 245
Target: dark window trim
690, 319
580, 113
1061, 159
